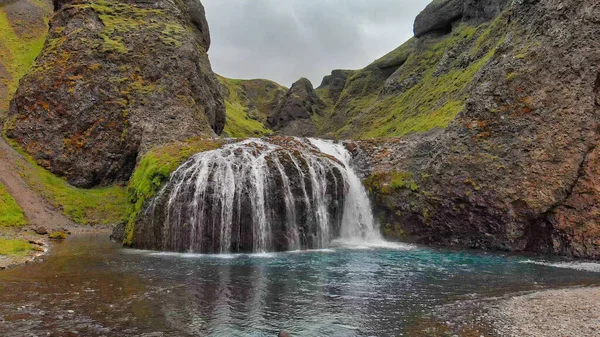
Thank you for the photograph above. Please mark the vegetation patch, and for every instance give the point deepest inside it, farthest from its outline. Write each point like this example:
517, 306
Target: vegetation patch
58, 236
11, 215
153, 170
10, 247
103, 205
388, 182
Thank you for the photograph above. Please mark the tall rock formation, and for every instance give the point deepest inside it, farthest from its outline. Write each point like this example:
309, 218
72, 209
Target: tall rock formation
115, 78
517, 169
295, 113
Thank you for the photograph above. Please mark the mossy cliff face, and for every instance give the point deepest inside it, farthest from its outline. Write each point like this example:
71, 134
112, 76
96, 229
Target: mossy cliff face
517, 168
249, 103
23, 29
114, 79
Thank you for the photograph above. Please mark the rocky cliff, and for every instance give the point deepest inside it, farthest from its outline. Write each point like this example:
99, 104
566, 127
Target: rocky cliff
517, 168
23, 30
114, 79
296, 112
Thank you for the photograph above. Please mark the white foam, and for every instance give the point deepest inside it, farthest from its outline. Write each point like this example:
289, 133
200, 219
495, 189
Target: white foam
584, 266
360, 244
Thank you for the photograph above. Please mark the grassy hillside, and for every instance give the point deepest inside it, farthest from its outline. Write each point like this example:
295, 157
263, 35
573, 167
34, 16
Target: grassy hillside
421, 85
23, 29
11, 215
104, 205
248, 104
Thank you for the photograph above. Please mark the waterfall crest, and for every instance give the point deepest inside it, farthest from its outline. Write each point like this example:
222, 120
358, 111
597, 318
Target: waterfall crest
258, 195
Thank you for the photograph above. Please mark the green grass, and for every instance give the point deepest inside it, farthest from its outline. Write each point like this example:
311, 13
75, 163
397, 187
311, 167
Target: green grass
15, 247
248, 102
18, 53
153, 170
239, 125
11, 215
438, 94
103, 205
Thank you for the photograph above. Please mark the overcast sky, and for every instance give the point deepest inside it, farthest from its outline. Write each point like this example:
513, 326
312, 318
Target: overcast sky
283, 40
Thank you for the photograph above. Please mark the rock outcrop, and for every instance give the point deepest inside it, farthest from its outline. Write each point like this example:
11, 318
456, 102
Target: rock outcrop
441, 15
114, 79
333, 85
517, 168
294, 114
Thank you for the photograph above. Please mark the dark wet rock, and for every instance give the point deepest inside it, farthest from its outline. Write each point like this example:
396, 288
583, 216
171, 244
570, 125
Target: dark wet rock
95, 100
118, 233
41, 230
517, 168
294, 114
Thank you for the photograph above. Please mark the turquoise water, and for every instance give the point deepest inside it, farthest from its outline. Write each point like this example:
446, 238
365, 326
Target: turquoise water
89, 286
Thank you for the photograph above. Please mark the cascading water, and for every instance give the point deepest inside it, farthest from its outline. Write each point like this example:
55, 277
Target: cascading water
258, 195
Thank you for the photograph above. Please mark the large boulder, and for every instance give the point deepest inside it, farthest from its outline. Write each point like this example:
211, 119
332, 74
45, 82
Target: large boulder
114, 79
294, 114
517, 169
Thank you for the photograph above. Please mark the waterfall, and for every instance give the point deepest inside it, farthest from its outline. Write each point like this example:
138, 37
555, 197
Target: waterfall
259, 195
358, 223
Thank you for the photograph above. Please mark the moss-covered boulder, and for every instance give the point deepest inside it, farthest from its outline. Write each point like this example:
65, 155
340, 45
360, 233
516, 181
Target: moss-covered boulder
114, 79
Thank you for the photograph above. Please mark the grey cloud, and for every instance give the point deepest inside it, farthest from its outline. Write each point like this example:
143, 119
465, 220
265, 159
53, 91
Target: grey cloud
284, 40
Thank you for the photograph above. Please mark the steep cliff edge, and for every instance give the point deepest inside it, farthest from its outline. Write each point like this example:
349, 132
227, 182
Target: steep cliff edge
517, 168
95, 99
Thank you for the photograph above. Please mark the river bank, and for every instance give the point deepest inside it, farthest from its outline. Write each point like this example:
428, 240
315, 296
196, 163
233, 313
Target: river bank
24, 245
573, 312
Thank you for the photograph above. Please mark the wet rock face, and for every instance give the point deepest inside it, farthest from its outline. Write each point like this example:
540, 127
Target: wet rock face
293, 115
114, 79
517, 169
274, 194
440, 15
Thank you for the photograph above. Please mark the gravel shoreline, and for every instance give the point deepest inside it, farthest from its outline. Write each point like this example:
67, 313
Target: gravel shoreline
571, 312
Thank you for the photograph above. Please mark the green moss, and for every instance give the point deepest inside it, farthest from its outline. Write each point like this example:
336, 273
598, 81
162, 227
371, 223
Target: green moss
388, 182
58, 236
11, 215
15, 247
153, 170
104, 205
